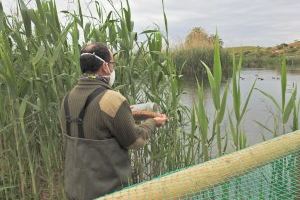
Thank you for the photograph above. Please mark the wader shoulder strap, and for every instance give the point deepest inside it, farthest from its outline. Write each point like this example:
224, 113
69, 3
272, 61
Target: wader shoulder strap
80, 118
67, 114
89, 99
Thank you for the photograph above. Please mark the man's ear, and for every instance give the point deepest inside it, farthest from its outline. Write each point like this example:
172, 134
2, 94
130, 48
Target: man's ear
104, 69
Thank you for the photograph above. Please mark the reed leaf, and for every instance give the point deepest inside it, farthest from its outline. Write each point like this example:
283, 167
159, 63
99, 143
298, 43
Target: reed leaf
289, 107
127, 13
166, 24
202, 121
221, 112
263, 126
269, 97
217, 68
236, 95
2, 18
26, 18
296, 115
247, 100
283, 83
213, 86
39, 55
40, 10
80, 13
234, 135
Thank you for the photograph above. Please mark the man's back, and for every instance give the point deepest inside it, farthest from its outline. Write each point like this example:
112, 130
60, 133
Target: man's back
95, 164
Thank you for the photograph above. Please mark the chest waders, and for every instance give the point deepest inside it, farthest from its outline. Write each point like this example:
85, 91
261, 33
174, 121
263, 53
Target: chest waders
92, 167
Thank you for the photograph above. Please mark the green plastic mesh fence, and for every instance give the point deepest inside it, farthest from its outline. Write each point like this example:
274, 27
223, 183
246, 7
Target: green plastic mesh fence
275, 180
270, 170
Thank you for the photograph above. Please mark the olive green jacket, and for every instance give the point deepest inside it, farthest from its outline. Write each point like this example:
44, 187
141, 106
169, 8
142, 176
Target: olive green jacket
99, 163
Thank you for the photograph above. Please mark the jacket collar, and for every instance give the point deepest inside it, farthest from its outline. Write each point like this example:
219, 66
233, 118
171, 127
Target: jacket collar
93, 80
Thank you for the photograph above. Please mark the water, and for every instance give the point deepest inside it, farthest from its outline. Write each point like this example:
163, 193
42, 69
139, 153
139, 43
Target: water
260, 108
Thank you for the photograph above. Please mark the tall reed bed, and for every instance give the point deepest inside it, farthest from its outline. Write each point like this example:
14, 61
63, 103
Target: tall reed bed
190, 57
35, 69
39, 63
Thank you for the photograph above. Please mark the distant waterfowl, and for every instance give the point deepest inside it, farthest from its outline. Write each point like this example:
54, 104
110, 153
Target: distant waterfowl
242, 78
259, 78
291, 85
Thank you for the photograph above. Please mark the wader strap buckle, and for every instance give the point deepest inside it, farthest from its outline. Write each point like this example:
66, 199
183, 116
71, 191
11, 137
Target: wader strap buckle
72, 120
79, 121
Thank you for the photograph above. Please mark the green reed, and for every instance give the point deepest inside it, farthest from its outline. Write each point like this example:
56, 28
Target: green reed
209, 125
238, 136
282, 113
283, 108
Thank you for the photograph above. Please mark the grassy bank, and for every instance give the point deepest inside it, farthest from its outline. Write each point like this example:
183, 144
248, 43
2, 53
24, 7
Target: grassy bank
255, 56
269, 61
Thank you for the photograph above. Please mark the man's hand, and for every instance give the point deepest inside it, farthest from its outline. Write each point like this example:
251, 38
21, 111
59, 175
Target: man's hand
160, 120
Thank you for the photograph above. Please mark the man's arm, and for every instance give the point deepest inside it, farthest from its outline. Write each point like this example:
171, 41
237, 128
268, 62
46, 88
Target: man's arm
121, 122
124, 124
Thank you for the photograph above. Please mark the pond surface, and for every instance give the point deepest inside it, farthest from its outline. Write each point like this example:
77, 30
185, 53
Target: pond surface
260, 108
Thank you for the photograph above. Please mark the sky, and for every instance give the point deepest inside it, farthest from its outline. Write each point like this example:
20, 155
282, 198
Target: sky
238, 22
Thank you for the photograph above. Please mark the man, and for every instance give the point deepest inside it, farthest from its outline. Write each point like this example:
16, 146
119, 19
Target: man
99, 129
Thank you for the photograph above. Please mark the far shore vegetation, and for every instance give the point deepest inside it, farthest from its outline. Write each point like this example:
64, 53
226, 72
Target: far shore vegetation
259, 57
198, 46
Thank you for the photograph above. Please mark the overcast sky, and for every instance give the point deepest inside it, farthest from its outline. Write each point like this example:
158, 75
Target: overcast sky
239, 22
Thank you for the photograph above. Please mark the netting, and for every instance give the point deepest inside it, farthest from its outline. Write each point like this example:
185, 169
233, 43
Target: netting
276, 180
270, 170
